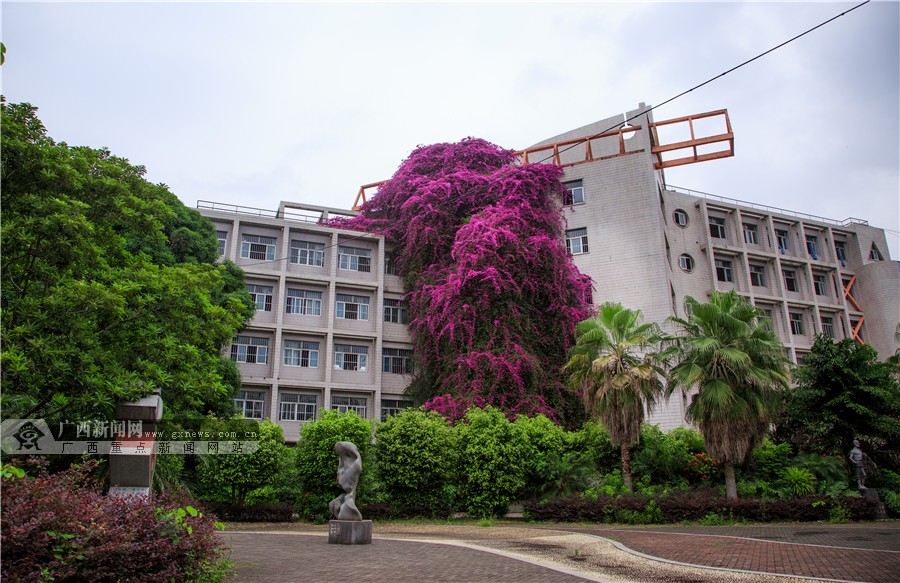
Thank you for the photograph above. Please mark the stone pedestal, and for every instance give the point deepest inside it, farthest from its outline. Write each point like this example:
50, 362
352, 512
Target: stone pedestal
871, 494
349, 532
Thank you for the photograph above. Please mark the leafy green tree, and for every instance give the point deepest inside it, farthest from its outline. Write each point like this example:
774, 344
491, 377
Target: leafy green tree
317, 462
416, 456
593, 443
844, 393
491, 461
546, 445
108, 289
238, 474
730, 354
613, 364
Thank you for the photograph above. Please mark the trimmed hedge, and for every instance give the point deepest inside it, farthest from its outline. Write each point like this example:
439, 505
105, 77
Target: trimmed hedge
694, 505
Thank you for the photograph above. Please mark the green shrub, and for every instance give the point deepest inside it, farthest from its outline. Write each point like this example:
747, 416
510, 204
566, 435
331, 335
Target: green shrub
659, 456
798, 481
592, 441
235, 475
838, 514
416, 455
713, 519
823, 467
491, 462
317, 461
770, 459
546, 459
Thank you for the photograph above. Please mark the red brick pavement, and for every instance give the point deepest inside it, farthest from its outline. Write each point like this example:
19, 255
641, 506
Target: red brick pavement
787, 558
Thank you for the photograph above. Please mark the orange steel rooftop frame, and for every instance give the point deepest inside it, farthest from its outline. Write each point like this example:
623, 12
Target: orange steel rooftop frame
551, 153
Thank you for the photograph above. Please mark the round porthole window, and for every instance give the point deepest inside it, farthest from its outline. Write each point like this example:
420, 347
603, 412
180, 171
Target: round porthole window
680, 217
686, 262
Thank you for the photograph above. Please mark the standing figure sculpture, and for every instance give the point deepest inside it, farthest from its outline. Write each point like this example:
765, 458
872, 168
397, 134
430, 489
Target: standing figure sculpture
856, 459
349, 467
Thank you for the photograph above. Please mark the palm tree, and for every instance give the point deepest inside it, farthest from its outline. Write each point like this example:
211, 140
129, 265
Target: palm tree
729, 351
613, 363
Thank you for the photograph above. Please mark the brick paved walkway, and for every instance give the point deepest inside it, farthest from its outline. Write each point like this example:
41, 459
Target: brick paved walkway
858, 553
300, 552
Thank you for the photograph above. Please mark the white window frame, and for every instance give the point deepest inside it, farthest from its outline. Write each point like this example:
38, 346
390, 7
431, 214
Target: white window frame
783, 239
717, 228
396, 360
828, 326
302, 353
360, 405
574, 192
820, 284
354, 259
390, 264
307, 253
751, 234
393, 406
250, 349
680, 217
351, 357
757, 275
796, 320
577, 241
875, 253
812, 246
297, 407
303, 302
395, 311
790, 280
840, 251
222, 238
251, 404
350, 307
262, 296
686, 263
724, 270
258, 247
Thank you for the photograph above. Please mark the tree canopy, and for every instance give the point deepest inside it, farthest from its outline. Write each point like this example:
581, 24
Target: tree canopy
109, 290
493, 296
844, 393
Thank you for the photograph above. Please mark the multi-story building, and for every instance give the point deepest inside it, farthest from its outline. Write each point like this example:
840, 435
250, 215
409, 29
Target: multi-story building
329, 330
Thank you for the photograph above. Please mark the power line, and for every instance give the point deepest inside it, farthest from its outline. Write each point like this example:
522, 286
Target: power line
627, 119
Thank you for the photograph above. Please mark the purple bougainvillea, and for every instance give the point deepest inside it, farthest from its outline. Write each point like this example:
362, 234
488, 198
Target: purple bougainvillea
492, 295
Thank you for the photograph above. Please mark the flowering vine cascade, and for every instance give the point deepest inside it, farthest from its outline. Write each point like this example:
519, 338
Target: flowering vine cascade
493, 296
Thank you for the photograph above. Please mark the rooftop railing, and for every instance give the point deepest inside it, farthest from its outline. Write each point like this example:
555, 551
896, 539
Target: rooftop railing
766, 208
246, 210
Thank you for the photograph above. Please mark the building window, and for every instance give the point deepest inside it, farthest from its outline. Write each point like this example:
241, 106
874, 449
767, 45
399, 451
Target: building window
796, 323
812, 246
396, 360
680, 217
686, 263
757, 275
574, 192
301, 353
875, 253
250, 404
394, 311
781, 236
356, 404
308, 253
258, 247
297, 407
717, 227
354, 259
250, 349
303, 302
349, 357
828, 327
393, 406
262, 296
577, 241
222, 236
840, 252
751, 234
352, 307
723, 270
790, 280
819, 285
390, 264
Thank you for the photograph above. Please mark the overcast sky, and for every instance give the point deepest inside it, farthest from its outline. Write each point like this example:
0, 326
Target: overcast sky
251, 104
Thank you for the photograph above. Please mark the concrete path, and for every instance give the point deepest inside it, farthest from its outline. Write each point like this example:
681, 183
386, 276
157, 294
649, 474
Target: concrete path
513, 551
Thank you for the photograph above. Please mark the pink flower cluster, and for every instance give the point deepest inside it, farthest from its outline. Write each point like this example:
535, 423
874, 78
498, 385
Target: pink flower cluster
493, 296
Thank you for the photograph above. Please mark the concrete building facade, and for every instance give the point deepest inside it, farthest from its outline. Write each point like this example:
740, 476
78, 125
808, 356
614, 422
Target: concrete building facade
329, 329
